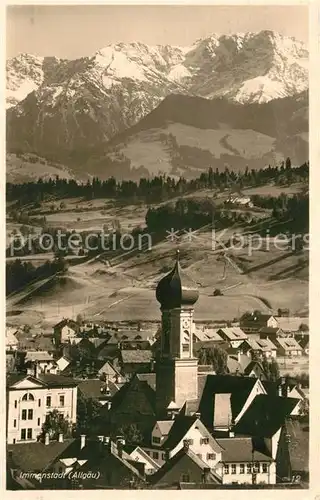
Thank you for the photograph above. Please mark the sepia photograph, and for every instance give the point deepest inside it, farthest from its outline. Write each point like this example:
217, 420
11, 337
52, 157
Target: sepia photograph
157, 247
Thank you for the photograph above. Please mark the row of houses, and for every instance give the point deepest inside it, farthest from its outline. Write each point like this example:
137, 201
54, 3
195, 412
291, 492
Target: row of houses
239, 439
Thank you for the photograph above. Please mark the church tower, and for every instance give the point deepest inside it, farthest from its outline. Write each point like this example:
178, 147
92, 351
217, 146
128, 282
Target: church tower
176, 367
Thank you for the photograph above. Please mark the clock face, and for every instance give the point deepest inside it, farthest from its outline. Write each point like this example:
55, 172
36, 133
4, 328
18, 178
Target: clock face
185, 324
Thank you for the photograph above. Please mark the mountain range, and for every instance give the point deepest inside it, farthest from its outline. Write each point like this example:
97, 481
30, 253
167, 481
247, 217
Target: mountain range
111, 113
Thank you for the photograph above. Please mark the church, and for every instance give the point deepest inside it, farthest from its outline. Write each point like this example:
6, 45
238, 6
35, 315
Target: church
226, 404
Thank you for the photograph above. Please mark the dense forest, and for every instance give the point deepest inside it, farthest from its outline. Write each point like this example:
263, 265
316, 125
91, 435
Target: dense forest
156, 189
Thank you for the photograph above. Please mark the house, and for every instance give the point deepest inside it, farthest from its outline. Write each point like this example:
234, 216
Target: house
261, 421
225, 398
138, 454
11, 341
288, 347
243, 462
134, 361
254, 321
259, 347
292, 324
255, 369
44, 361
233, 335
271, 333
184, 467
29, 399
29, 460
65, 331
108, 371
99, 390
244, 201
67, 463
135, 402
168, 437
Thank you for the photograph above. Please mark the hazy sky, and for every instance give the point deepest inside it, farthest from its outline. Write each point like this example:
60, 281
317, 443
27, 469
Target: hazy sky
75, 31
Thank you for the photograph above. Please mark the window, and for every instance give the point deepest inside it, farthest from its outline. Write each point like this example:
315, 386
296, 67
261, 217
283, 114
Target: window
226, 469
14, 423
24, 415
256, 467
241, 468
38, 422
185, 347
233, 469
29, 434
14, 441
39, 402
199, 455
190, 441
249, 468
48, 401
27, 397
163, 456
23, 434
156, 439
156, 455
211, 456
61, 400
185, 478
264, 468
204, 440
15, 404
30, 414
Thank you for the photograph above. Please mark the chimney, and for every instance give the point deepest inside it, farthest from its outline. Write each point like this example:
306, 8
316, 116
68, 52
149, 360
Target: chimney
46, 439
82, 441
36, 370
60, 438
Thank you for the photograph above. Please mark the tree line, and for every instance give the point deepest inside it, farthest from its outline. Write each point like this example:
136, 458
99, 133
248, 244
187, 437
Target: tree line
155, 189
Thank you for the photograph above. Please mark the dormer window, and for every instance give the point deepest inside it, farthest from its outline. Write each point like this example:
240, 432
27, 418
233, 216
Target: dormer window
156, 440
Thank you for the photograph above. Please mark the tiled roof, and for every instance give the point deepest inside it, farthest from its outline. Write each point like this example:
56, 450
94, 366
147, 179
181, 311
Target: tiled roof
261, 419
38, 356
291, 324
241, 449
36, 457
289, 344
149, 378
233, 333
136, 356
179, 429
57, 380
238, 387
92, 388
168, 466
71, 323
251, 366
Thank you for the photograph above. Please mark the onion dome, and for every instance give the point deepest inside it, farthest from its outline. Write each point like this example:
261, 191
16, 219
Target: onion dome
176, 289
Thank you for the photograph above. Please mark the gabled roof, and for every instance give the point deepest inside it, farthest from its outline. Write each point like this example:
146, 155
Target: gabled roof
233, 333
269, 330
143, 386
165, 426
304, 342
69, 322
51, 380
134, 448
241, 449
266, 415
149, 378
289, 344
291, 324
180, 427
14, 378
92, 388
238, 387
251, 366
136, 356
168, 466
37, 457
